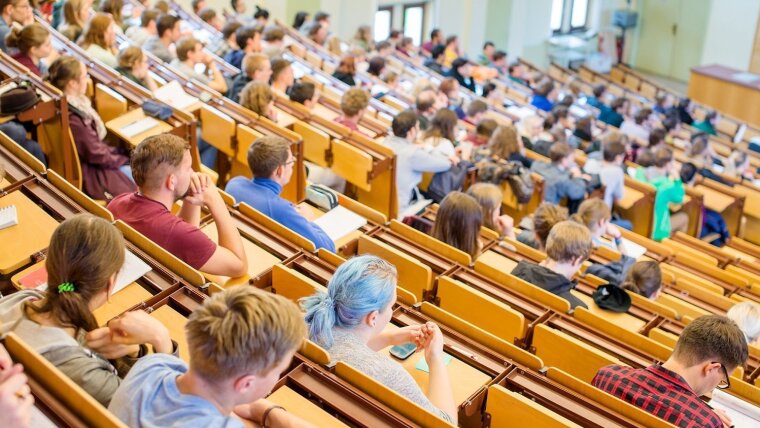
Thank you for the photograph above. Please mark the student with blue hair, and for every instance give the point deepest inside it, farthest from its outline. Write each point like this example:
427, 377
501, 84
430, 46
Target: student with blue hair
350, 322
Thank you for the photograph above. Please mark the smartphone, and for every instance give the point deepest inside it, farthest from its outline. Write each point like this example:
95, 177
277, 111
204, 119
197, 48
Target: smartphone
404, 351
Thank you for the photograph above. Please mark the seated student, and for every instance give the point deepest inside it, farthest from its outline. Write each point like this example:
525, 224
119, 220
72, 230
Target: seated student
261, 16
747, 316
16, 400
167, 33
13, 11
76, 13
505, 145
406, 47
210, 17
436, 38
315, 32
134, 66
483, 132
461, 70
451, 51
562, 177
610, 170
639, 127
702, 155
439, 138
449, 89
517, 74
85, 254
33, 47
657, 138
708, 350
383, 48
663, 103
248, 40
490, 198
350, 322
197, 6
712, 222
536, 227
273, 45
436, 60
353, 104
304, 93
544, 96
238, 12
597, 99
113, 8
256, 68
226, 43
670, 190
376, 66
595, 215
707, 125
426, 106
738, 165
582, 136
271, 163
105, 169
346, 70
411, 159
683, 110
530, 129
99, 39
257, 97
615, 114
458, 223
148, 27
644, 278
162, 167
189, 55
282, 76
475, 111
240, 341
567, 247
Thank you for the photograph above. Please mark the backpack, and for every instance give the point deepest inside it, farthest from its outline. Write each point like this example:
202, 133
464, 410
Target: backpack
513, 172
446, 182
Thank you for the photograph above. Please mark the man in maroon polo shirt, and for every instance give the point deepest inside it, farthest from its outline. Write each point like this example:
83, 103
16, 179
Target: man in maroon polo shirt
162, 169
708, 350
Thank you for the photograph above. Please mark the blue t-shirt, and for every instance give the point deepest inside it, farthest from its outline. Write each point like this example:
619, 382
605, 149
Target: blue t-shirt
148, 397
263, 194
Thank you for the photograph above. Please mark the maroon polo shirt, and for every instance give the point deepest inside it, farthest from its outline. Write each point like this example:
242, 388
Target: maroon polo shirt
175, 235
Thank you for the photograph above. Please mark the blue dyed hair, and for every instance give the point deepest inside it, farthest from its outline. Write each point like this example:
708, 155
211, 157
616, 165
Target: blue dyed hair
359, 286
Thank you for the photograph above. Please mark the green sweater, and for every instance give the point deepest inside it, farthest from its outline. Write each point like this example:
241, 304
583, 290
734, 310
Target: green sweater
668, 191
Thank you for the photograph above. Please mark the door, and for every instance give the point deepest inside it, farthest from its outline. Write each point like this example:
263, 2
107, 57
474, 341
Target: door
689, 37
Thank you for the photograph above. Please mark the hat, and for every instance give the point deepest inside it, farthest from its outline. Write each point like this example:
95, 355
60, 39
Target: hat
18, 100
612, 298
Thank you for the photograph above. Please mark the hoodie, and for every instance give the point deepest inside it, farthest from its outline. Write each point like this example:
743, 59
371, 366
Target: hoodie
549, 280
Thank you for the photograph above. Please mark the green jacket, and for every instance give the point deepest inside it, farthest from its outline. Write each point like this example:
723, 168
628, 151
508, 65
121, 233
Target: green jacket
705, 127
668, 191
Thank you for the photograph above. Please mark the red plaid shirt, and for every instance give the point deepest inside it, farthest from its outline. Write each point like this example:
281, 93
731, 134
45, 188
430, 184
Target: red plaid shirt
660, 392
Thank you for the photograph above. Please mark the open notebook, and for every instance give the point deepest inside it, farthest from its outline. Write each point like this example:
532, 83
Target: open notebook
339, 222
742, 413
131, 271
173, 94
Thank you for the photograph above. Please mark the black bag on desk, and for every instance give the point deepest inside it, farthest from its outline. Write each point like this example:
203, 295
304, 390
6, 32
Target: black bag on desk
157, 110
449, 181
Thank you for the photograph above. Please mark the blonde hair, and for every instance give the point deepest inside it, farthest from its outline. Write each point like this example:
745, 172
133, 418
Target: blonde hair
242, 330
72, 10
503, 142
28, 37
353, 101
591, 212
256, 96
544, 219
568, 240
254, 62
489, 196
155, 157
130, 56
747, 316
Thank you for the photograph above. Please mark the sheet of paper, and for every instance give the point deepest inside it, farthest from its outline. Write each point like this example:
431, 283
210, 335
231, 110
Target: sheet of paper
423, 366
339, 222
39, 420
139, 126
415, 208
742, 413
131, 271
173, 94
632, 249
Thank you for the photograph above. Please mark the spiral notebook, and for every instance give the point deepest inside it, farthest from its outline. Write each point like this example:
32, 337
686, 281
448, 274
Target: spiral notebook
8, 217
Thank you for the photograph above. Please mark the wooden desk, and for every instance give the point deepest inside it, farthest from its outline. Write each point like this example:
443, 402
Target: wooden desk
464, 379
4, 183
303, 408
497, 261
284, 118
718, 87
31, 235
15, 279
175, 322
126, 298
715, 200
629, 322
630, 197
259, 260
116, 125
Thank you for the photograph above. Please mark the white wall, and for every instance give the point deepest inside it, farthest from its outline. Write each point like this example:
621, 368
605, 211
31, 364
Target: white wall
730, 34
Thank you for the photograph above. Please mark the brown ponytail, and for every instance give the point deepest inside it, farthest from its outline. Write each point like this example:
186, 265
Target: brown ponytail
591, 212
31, 36
643, 278
84, 251
63, 70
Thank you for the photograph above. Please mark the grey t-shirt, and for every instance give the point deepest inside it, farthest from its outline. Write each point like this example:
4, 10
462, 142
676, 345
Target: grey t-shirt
349, 349
189, 71
611, 176
149, 397
155, 46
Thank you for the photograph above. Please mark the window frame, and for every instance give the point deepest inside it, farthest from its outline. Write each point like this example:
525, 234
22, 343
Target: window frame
421, 5
583, 27
390, 10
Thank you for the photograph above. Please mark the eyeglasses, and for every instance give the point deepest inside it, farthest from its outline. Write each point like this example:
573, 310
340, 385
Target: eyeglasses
725, 383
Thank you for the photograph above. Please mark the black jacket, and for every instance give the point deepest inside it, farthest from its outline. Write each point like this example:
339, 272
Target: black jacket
548, 280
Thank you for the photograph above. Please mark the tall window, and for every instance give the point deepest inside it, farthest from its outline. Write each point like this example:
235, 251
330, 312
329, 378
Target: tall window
383, 23
569, 15
414, 21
